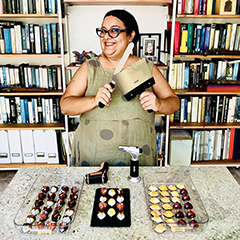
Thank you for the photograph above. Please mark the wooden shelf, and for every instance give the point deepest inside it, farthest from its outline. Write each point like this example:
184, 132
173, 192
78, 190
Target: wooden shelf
75, 66
225, 162
206, 16
32, 126
19, 165
118, 2
50, 93
208, 56
31, 55
28, 15
174, 125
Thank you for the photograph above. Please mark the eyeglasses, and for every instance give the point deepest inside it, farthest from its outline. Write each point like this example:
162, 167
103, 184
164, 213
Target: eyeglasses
112, 32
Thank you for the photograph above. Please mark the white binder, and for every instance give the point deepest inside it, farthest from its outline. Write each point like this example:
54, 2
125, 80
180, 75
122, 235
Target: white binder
27, 146
4, 148
39, 146
15, 146
51, 147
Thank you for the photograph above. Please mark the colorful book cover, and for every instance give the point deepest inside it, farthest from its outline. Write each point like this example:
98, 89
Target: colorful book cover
7, 40
196, 7
198, 37
45, 36
209, 7
207, 37
49, 38
202, 39
23, 110
190, 38
200, 9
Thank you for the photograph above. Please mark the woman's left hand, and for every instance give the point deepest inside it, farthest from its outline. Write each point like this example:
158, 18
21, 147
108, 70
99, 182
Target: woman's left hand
149, 101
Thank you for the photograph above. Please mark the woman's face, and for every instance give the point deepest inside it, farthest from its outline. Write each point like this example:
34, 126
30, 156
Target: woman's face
114, 47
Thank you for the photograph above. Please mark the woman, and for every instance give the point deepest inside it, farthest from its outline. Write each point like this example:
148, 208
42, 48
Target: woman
102, 130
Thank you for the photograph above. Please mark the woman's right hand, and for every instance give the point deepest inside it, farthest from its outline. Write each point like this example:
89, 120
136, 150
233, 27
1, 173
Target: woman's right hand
104, 94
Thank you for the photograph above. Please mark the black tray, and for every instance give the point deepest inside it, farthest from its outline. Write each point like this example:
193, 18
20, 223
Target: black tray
111, 221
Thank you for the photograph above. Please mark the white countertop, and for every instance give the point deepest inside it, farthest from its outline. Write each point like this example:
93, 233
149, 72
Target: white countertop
218, 190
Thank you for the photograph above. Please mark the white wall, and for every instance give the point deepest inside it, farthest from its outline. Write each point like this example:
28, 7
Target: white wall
84, 19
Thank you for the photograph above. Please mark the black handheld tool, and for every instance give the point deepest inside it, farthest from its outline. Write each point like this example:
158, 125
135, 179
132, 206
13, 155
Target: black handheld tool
101, 176
112, 84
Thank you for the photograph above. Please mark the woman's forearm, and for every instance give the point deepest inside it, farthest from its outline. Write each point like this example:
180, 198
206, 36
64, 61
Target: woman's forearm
168, 105
73, 105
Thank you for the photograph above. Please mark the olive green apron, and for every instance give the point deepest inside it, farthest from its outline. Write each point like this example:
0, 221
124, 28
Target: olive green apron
102, 130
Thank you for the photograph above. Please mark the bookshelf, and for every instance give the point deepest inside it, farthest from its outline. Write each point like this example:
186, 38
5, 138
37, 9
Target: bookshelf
200, 92
36, 60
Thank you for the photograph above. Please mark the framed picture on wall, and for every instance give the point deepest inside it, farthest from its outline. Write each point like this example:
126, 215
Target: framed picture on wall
149, 46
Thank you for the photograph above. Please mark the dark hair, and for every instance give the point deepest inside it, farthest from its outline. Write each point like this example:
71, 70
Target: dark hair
128, 20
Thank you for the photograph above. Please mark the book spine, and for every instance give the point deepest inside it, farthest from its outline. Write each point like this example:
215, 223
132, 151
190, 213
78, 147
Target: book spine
40, 110
49, 38
7, 40
13, 111
209, 7
207, 38
190, 38
200, 9
196, 7
232, 36
202, 38
198, 37
54, 37
32, 39
45, 36
37, 39
18, 108
23, 111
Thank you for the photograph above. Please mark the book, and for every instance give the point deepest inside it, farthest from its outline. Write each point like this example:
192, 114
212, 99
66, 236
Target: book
49, 38
183, 36
190, 37
231, 143
186, 76
228, 35
237, 38
194, 113
37, 39
202, 39
200, 9
213, 109
196, 7
7, 40
216, 37
13, 110
219, 112
209, 7
198, 37
18, 109
212, 35
224, 35
176, 35
236, 148
13, 40
207, 37
188, 8
223, 88
235, 71
54, 37
208, 109
45, 36
233, 36
179, 7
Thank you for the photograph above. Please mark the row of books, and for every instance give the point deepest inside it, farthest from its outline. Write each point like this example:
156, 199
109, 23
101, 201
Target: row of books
30, 110
29, 38
200, 38
25, 75
186, 74
208, 109
28, 6
216, 144
205, 7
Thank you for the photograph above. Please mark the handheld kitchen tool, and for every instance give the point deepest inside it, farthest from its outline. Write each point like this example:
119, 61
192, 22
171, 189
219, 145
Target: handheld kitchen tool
134, 162
101, 176
119, 67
